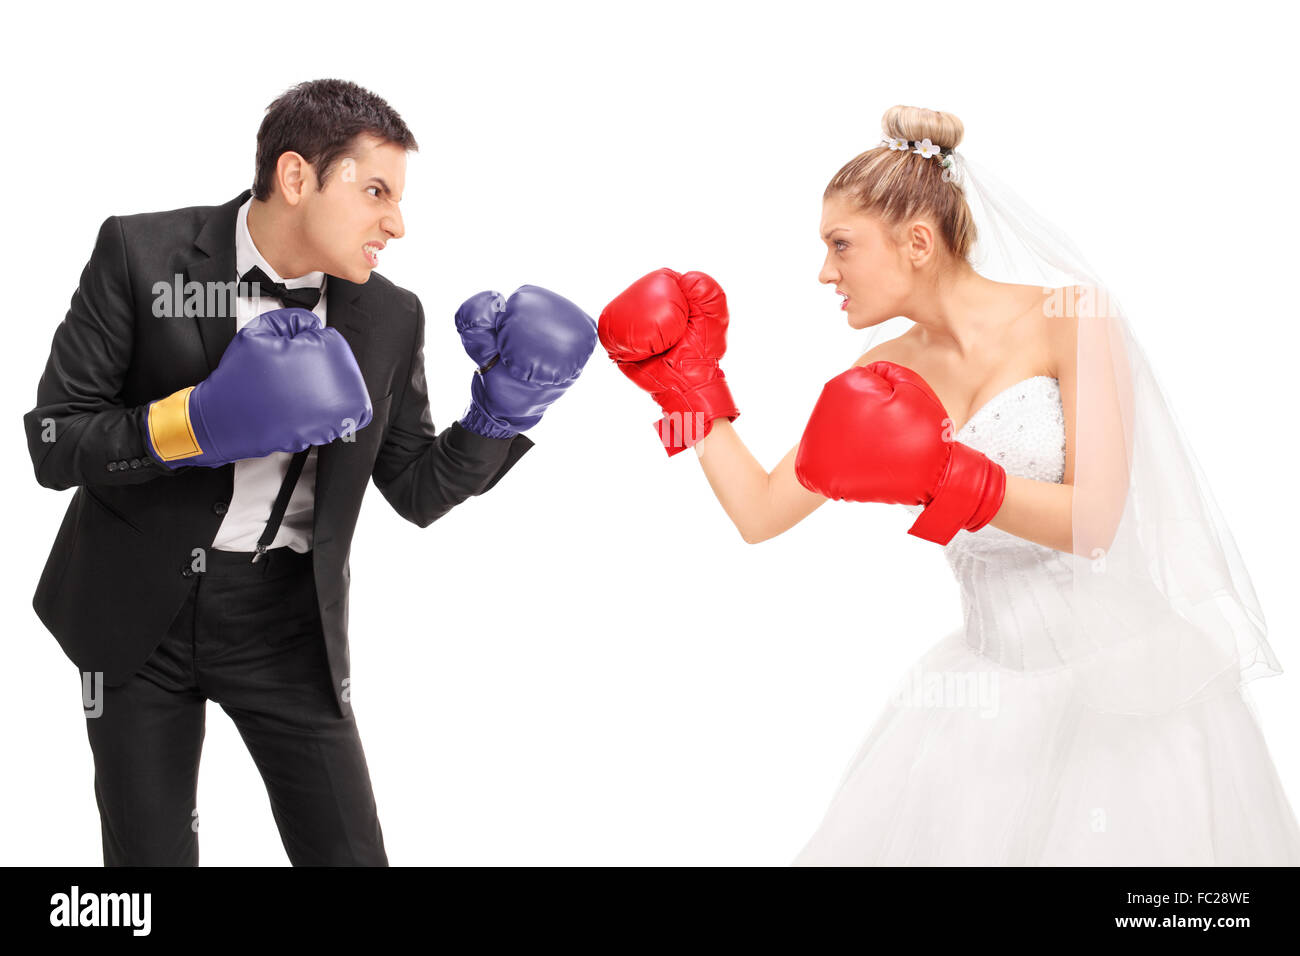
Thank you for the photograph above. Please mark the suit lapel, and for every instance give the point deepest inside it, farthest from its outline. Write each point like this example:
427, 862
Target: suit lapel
217, 241
345, 314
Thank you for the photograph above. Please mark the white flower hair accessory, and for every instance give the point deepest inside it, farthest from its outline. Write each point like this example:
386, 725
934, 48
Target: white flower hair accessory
926, 149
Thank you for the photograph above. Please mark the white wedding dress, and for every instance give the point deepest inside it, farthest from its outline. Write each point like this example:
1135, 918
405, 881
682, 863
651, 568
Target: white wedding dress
988, 755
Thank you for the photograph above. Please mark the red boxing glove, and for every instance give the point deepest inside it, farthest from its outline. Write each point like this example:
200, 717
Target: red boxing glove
667, 331
879, 433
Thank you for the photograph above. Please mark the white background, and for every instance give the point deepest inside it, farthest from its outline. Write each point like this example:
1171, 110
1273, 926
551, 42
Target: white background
631, 683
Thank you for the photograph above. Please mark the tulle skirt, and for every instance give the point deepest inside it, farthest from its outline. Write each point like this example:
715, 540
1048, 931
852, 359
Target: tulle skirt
972, 764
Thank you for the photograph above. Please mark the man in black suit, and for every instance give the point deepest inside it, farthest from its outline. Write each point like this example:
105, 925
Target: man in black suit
168, 585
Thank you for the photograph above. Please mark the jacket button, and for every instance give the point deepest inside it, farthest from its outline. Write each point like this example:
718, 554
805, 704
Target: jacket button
112, 466
220, 507
187, 572
135, 462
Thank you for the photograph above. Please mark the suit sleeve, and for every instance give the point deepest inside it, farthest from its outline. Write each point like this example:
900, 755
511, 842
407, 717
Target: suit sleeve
80, 433
424, 474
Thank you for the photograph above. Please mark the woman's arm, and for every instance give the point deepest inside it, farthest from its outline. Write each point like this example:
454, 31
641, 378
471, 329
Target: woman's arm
1038, 511
763, 505
759, 504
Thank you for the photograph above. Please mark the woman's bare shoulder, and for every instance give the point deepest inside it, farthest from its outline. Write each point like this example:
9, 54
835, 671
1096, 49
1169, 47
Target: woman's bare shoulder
1060, 325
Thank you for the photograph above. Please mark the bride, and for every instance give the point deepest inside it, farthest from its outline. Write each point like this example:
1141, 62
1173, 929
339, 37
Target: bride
1092, 708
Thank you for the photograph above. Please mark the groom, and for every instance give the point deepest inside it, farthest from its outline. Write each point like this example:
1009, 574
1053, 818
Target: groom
188, 568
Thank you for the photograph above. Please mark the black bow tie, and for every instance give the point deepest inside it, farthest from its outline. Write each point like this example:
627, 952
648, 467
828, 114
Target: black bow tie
305, 298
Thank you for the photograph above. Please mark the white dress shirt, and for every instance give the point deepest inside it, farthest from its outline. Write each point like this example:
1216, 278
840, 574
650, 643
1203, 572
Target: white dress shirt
258, 480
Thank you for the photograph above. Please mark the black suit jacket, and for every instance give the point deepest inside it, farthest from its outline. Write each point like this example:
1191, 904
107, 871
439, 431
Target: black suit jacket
123, 559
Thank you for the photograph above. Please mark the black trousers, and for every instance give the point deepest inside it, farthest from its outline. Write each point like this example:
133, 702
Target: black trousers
248, 637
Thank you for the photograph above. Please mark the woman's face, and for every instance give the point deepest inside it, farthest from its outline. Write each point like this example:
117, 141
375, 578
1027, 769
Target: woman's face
865, 263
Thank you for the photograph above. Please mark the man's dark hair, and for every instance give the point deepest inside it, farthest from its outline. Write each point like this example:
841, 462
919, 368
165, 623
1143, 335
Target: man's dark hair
320, 119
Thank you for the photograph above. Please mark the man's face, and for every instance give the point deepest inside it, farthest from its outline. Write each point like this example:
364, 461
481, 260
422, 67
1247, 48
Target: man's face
349, 221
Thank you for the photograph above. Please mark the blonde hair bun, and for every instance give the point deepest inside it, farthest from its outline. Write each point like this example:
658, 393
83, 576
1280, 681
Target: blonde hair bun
914, 123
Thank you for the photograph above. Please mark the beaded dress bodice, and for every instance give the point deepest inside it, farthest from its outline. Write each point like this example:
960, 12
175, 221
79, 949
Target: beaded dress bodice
1015, 593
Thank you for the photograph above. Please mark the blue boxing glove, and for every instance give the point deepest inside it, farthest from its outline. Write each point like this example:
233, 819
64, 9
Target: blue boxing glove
284, 383
528, 348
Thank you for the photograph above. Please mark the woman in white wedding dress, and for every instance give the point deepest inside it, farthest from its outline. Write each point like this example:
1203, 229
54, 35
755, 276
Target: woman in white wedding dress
1092, 708
991, 753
